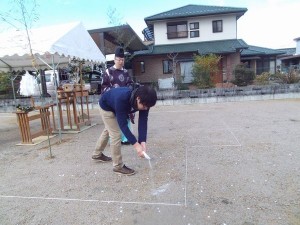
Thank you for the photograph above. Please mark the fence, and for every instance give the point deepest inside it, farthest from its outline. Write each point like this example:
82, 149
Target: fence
234, 91
8, 105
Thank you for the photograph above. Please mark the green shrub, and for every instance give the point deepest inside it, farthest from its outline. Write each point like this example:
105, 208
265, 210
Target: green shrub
182, 86
5, 83
291, 77
243, 76
262, 79
287, 78
203, 68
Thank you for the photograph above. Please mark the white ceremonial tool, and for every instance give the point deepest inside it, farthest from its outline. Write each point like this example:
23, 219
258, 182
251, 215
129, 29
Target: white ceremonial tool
146, 155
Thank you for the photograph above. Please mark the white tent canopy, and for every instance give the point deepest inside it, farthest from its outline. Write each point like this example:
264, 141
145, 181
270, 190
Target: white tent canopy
55, 43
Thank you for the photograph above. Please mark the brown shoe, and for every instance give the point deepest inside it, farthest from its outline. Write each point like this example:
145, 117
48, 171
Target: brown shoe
124, 171
101, 158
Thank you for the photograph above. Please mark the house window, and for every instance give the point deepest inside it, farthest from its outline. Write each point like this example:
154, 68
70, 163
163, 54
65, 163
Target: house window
142, 66
194, 26
194, 30
217, 26
194, 33
177, 30
167, 66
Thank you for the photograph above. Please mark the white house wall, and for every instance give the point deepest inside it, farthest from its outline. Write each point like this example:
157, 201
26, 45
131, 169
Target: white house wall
298, 47
205, 29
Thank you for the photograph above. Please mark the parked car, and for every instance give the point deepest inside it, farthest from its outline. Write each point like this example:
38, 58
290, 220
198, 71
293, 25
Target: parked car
93, 81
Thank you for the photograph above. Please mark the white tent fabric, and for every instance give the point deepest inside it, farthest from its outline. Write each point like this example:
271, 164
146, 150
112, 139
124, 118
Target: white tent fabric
58, 43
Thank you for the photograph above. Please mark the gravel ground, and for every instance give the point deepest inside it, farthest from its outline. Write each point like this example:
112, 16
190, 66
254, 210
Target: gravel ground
235, 163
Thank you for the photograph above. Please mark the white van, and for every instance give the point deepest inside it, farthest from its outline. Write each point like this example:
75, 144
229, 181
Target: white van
50, 81
49, 77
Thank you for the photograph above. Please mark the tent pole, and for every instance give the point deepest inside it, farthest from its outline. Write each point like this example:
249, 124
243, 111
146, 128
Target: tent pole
13, 87
57, 110
12, 81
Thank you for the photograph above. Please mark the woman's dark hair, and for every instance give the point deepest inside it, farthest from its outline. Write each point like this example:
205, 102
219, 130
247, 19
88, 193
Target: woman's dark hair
148, 96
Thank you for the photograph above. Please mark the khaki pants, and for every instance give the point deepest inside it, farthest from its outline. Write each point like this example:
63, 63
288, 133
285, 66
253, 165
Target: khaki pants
113, 132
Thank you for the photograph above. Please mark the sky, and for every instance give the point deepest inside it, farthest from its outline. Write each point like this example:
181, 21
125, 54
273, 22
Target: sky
267, 23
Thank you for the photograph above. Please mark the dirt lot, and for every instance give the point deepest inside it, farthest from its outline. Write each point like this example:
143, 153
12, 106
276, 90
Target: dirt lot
234, 163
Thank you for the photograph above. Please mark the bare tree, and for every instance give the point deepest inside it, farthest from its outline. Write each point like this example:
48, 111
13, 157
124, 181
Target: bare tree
115, 20
173, 57
21, 16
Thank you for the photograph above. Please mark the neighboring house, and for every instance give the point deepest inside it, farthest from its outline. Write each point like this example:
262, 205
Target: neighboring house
260, 59
291, 58
287, 52
181, 33
297, 45
107, 39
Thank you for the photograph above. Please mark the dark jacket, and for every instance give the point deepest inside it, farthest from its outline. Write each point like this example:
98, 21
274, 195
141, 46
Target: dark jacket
117, 100
115, 78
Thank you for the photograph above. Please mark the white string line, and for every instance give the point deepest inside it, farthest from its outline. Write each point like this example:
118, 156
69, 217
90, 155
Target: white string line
185, 182
227, 127
90, 200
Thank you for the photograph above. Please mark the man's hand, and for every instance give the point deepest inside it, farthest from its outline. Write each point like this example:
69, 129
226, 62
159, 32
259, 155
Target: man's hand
144, 146
139, 148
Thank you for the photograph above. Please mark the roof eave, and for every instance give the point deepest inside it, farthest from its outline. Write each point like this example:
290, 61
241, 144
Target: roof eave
186, 48
237, 13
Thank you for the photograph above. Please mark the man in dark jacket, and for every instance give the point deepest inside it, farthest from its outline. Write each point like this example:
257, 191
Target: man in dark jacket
117, 76
115, 105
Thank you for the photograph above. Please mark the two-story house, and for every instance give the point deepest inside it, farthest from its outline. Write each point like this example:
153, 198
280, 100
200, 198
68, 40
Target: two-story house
181, 33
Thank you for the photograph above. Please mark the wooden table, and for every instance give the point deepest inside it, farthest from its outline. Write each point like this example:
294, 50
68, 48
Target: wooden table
75, 117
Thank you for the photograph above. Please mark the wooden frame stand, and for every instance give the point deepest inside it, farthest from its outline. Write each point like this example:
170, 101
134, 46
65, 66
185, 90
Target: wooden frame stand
24, 123
75, 120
